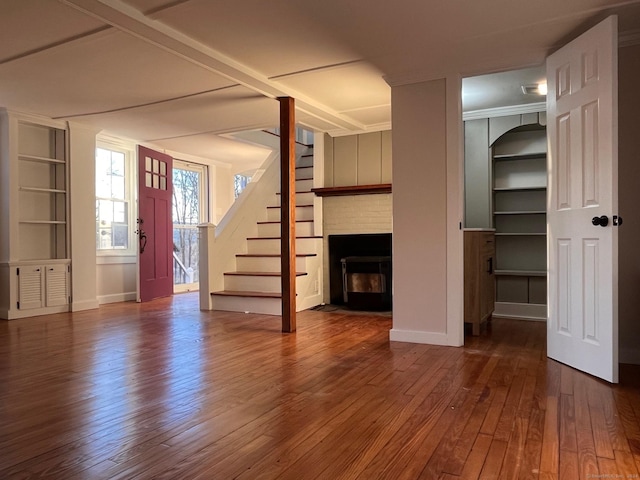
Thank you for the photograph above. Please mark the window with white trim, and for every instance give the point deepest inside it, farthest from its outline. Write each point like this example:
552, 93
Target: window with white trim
113, 200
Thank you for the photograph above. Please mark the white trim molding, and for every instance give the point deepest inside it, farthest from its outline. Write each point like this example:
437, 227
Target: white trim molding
505, 111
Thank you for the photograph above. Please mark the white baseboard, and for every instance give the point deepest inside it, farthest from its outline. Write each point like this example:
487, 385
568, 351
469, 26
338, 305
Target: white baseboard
429, 338
84, 305
117, 297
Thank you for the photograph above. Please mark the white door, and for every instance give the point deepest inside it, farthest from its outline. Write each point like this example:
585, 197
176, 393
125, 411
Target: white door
582, 330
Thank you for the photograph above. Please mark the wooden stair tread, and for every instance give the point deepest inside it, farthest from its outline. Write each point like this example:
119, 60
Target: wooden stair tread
262, 274
304, 191
233, 293
277, 238
297, 221
278, 206
272, 255
308, 166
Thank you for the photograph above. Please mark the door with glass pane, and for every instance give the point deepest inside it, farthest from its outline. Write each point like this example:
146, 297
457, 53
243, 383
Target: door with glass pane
189, 209
154, 224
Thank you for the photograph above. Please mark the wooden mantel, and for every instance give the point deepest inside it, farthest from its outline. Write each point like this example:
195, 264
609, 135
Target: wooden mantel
352, 190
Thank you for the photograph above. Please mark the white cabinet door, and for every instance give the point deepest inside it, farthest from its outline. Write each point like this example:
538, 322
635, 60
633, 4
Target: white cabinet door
582, 128
56, 285
30, 287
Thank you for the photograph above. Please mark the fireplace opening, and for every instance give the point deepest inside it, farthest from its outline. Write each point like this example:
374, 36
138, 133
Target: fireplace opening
360, 271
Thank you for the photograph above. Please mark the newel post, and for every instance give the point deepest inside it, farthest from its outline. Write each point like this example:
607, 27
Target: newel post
206, 237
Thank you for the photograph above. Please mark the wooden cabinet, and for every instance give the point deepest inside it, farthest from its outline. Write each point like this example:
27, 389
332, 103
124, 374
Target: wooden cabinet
479, 277
34, 240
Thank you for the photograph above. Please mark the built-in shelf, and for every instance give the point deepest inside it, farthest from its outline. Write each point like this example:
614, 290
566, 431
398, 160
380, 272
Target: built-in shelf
519, 189
521, 273
519, 156
352, 190
522, 212
44, 222
35, 158
44, 190
519, 215
519, 234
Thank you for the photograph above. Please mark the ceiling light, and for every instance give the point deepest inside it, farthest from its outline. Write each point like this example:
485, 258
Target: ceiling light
538, 89
542, 88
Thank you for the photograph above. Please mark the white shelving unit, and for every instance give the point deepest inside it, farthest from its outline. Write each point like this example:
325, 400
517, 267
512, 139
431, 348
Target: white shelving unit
34, 262
519, 215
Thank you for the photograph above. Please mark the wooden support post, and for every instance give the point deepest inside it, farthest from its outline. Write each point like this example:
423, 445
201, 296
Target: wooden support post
288, 212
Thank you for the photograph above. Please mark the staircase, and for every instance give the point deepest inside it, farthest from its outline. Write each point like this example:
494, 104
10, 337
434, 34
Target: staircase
254, 285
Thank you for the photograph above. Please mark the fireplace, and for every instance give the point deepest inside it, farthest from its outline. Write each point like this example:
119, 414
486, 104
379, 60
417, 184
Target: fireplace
360, 271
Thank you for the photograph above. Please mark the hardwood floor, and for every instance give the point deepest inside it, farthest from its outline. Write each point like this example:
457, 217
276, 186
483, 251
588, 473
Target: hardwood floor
164, 391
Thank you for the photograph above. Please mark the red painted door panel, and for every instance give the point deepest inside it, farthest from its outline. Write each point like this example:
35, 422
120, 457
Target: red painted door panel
154, 224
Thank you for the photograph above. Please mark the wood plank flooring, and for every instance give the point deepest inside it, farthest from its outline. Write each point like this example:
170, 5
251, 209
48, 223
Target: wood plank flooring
164, 391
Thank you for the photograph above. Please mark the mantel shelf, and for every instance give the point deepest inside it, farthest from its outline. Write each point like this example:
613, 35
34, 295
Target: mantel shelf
352, 190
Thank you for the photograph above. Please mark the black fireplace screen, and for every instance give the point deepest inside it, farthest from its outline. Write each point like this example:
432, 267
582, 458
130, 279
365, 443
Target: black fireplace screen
366, 282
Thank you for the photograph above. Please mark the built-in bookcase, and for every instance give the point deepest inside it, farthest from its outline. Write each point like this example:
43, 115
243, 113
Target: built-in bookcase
34, 239
519, 213
42, 185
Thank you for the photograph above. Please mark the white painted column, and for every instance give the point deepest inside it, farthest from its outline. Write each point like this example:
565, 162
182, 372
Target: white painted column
82, 188
427, 211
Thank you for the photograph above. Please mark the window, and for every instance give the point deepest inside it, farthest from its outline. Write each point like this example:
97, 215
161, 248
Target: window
239, 184
113, 229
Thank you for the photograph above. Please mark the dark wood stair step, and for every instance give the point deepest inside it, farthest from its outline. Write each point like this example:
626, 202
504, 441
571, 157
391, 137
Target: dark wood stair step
305, 206
277, 238
272, 255
297, 221
234, 293
262, 274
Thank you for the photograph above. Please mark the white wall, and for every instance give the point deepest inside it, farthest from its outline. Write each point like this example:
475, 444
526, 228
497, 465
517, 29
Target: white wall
427, 207
629, 202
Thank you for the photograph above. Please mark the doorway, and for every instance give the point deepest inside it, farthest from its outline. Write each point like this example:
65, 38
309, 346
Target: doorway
189, 209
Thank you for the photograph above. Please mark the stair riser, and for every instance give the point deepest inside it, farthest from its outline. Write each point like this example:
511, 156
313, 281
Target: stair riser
303, 229
302, 213
304, 185
250, 283
304, 173
268, 306
266, 264
272, 246
301, 198
305, 161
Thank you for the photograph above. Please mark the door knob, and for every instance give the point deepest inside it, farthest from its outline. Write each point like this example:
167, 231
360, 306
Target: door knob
603, 220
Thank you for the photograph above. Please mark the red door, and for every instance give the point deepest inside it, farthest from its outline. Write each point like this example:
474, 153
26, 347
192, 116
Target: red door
155, 228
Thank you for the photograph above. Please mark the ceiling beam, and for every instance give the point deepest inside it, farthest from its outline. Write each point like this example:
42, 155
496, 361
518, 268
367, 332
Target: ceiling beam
127, 19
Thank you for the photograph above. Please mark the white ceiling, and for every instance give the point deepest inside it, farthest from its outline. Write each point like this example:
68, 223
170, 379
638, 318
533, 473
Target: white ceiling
180, 73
